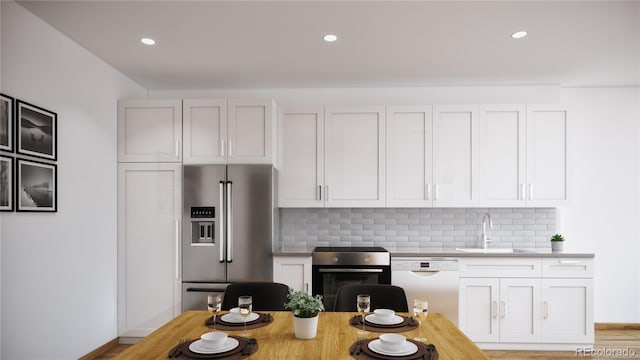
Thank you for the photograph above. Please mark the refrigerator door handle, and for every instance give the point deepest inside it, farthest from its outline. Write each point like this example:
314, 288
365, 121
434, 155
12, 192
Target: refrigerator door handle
229, 222
221, 239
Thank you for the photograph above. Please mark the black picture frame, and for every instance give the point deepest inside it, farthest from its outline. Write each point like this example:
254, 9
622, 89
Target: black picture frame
7, 107
36, 186
6, 183
36, 131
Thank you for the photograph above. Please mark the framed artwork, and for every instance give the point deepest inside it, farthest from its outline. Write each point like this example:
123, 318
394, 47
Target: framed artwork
36, 186
6, 183
6, 123
37, 131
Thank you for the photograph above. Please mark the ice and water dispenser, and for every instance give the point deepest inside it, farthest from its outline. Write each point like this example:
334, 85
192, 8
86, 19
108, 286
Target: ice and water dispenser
203, 222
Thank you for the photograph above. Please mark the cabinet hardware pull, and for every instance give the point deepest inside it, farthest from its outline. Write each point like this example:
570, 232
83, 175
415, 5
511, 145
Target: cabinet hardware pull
530, 191
177, 249
320, 192
522, 195
435, 191
503, 310
306, 287
569, 262
221, 147
494, 310
229, 220
428, 191
546, 309
230, 147
177, 148
326, 192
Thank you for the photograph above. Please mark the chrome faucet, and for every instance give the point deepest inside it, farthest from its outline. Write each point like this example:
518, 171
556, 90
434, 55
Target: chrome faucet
486, 240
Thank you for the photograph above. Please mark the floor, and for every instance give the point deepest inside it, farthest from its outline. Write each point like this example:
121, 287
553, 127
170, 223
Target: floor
606, 340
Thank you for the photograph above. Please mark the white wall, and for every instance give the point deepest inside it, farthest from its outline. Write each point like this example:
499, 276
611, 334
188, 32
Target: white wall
59, 270
603, 215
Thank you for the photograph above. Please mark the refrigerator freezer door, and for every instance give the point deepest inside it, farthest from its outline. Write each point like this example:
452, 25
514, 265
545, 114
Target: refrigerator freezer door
201, 262
251, 217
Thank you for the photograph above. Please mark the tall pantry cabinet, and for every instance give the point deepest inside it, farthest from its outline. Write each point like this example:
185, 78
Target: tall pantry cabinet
149, 214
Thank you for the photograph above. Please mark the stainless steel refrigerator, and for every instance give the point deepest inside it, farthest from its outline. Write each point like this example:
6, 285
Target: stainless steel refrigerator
228, 227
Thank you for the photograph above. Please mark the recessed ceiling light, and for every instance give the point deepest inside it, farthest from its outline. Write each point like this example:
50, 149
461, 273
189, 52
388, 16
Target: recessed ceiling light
519, 34
148, 41
330, 38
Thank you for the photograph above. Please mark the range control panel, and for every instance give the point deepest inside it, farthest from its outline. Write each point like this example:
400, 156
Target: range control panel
424, 264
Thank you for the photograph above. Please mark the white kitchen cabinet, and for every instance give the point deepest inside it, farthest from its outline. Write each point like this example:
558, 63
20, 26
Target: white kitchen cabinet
234, 131
523, 155
455, 155
149, 212
547, 175
528, 303
301, 157
294, 271
409, 156
355, 156
150, 130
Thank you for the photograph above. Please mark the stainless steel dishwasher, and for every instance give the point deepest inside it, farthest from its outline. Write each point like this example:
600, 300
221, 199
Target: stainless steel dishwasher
434, 279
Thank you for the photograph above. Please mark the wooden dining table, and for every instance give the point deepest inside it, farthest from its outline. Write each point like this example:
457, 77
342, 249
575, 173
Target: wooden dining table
277, 341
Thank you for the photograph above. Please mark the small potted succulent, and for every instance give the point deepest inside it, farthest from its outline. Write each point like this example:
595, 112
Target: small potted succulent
557, 242
305, 309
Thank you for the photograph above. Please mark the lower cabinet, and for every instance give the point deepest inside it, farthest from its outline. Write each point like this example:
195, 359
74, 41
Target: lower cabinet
149, 204
294, 271
509, 311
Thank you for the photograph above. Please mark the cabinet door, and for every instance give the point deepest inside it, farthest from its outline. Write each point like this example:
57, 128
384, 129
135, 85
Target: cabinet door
409, 156
478, 309
567, 314
546, 155
301, 152
355, 156
293, 271
454, 151
519, 310
149, 203
501, 139
205, 131
149, 130
250, 131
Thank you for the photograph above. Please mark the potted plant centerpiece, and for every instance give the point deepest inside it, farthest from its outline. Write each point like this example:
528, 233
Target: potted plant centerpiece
305, 310
557, 242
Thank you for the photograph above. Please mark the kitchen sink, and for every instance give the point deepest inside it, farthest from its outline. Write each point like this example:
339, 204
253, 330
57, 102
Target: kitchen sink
487, 251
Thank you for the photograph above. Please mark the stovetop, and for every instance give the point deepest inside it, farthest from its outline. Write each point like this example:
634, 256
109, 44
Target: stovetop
342, 249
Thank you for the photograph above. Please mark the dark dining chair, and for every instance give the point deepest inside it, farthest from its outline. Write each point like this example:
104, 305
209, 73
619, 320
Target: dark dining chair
382, 297
267, 296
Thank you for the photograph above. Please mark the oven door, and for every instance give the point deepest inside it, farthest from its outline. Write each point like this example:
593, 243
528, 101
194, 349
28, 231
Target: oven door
327, 279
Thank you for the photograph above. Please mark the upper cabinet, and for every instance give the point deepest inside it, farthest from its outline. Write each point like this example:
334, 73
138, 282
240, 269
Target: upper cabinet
431, 154
301, 157
150, 130
230, 131
332, 157
523, 152
355, 156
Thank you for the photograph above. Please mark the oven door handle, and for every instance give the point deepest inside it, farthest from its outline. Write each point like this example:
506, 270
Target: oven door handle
324, 270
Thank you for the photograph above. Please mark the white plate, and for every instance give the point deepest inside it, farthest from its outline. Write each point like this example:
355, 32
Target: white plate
233, 318
198, 347
394, 320
408, 348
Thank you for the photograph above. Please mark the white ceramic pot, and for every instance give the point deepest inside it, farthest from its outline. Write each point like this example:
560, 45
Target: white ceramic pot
557, 246
305, 328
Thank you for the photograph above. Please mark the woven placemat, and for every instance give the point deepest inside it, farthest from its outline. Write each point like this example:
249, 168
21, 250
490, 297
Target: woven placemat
245, 348
360, 350
263, 319
407, 324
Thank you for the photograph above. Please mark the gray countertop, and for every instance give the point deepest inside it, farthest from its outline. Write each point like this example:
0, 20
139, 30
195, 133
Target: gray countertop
540, 253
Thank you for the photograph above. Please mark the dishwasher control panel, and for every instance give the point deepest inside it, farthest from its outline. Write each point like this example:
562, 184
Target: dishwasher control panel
424, 264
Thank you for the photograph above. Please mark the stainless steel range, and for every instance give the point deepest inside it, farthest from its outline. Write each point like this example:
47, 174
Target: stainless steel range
333, 267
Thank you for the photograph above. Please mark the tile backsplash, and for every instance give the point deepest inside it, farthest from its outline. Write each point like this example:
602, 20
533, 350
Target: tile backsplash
413, 229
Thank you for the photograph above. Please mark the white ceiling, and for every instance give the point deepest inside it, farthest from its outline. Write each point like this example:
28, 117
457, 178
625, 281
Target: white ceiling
262, 44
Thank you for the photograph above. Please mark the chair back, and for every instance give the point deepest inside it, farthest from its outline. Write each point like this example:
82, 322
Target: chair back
382, 297
267, 296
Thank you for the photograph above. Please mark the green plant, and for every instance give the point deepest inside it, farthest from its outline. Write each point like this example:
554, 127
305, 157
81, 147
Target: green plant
557, 237
304, 305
